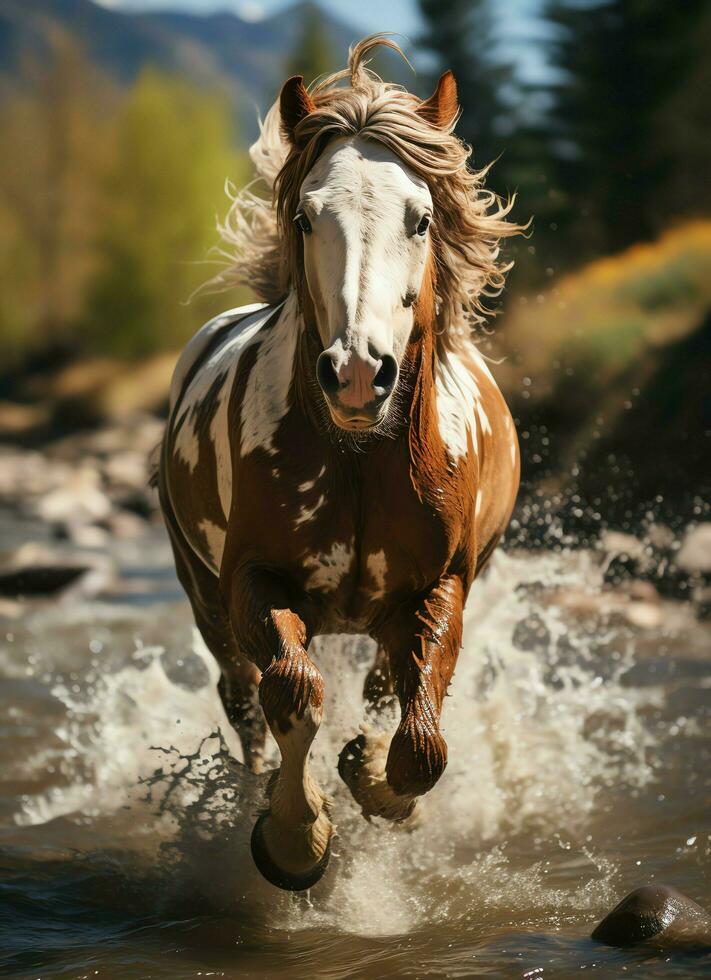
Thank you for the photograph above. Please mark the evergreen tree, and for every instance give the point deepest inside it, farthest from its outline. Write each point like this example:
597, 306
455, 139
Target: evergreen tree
620, 63
461, 36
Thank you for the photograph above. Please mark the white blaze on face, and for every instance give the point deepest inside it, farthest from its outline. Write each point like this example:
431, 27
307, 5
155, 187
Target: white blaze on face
363, 258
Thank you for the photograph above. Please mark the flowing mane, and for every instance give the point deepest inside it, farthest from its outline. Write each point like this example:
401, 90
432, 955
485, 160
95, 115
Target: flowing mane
263, 248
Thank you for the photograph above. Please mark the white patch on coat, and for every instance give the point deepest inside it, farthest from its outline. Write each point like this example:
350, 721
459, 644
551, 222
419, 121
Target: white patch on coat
224, 360
310, 484
307, 514
483, 419
215, 542
197, 344
266, 396
457, 399
377, 566
329, 568
477, 507
187, 447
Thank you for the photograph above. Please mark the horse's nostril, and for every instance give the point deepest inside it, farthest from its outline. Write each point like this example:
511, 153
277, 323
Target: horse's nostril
387, 375
326, 374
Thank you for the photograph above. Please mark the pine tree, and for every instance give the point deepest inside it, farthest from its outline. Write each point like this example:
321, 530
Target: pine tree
461, 36
619, 63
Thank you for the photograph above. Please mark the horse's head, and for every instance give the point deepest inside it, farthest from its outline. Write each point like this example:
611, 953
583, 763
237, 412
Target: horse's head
376, 222
365, 222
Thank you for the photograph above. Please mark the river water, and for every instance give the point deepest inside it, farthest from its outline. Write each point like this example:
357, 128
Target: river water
579, 769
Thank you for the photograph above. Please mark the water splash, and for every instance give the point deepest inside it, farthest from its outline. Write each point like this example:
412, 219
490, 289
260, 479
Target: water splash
539, 722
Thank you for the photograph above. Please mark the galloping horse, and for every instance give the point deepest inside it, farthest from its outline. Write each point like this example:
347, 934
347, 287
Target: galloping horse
338, 458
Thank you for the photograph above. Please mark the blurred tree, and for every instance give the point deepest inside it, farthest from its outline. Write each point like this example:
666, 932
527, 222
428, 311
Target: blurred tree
621, 64
312, 55
174, 152
54, 141
461, 35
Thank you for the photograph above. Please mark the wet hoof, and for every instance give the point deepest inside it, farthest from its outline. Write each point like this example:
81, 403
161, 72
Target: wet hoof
361, 766
659, 915
294, 880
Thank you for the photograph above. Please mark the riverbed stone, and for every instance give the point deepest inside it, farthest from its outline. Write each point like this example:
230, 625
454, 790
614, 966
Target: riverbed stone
659, 915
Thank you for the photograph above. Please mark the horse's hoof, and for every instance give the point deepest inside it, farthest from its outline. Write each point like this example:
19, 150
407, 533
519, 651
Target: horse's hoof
291, 881
361, 766
659, 915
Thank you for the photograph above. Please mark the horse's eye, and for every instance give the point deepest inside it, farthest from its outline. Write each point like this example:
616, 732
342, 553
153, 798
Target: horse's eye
302, 223
424, 224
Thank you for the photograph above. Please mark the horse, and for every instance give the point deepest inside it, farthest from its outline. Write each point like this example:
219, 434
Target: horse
338, 457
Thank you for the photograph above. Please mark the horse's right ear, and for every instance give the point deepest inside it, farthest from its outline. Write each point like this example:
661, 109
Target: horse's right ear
295, 104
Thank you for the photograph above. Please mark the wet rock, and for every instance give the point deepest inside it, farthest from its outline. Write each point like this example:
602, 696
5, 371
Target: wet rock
38, 572
695, 553
80, 499
659, 915
124, 525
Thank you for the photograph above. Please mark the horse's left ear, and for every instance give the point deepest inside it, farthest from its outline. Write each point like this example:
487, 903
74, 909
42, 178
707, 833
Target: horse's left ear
295, 104
442, 107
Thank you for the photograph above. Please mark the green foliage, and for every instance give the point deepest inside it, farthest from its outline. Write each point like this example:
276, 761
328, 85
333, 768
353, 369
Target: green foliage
54, 142
162, 193
107, 209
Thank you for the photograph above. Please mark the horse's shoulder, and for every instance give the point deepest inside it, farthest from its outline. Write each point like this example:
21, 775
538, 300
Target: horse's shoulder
206, 339
197, 470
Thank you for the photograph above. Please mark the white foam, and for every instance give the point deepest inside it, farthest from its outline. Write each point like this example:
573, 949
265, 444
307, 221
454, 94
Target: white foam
526, 756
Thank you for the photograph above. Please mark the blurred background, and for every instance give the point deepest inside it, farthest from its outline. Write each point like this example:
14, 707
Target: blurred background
121, 121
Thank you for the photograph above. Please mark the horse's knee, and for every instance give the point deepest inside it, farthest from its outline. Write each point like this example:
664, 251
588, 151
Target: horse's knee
417, 756
289, 686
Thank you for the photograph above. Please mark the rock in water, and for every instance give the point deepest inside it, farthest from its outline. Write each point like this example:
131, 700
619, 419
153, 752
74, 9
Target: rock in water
659, 915
695, 553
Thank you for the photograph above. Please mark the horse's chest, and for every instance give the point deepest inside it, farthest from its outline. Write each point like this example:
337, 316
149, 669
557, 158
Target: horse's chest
351, 538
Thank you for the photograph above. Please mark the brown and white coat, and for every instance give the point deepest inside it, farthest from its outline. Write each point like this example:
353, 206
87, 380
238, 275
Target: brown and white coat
300, 503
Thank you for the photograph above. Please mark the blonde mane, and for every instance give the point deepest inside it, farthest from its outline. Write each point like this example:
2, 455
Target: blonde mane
264, 248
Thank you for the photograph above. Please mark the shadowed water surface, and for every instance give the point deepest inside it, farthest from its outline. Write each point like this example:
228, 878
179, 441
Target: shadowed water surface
579, 769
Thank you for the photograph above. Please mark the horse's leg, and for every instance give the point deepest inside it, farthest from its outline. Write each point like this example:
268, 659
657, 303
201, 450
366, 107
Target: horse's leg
422, 645
291, 839
239, 681
378, 683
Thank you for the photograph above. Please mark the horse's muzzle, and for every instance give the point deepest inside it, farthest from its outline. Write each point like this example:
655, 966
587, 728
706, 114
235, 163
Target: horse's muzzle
356, 386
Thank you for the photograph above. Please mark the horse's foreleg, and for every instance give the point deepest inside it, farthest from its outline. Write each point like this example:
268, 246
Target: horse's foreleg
291, 839
422, 646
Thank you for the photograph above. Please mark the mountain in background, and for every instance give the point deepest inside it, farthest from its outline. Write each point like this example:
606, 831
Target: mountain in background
246, 60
